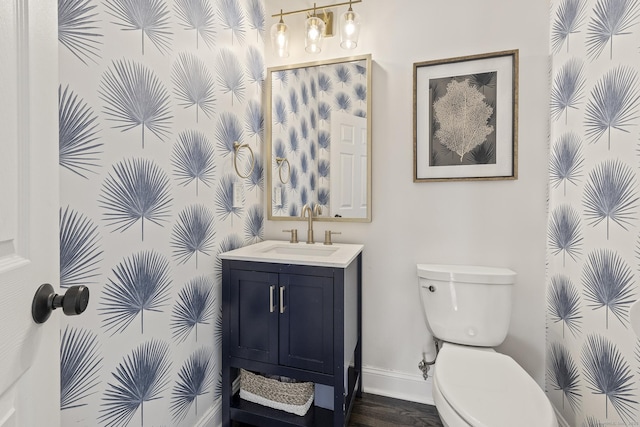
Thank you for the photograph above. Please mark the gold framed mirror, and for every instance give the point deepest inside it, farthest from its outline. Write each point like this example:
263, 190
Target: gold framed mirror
318, 132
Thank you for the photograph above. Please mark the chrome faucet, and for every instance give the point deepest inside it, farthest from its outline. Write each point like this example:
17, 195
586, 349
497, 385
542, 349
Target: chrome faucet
309, 213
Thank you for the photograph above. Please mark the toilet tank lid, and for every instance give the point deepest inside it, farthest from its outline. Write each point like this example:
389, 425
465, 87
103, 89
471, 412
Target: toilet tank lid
467, 274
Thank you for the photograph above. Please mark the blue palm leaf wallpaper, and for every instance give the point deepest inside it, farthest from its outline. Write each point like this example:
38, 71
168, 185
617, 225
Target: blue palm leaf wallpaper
608, 283
593, 207
135, 96
150, 17
568, 19
141, 377
195, 379
150, 94
136, 190
78, 30
193, 159
564, 375
80, 365
139, 283
78, 139
612, 104
567, 90
197, 16
610, 18
610, 376
194, 306
193, 84
193, 234
610, 195
80, 251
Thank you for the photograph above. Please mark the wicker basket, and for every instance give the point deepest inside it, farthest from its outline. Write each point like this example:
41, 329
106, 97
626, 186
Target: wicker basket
295, 398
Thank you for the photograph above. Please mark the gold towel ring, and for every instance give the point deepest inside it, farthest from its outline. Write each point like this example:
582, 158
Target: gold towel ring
237, 146
280, 161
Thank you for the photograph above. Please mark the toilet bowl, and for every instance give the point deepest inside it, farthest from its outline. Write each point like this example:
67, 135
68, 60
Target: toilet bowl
468, 308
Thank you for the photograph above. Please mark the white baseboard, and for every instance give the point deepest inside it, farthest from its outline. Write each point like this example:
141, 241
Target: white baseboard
213, 417
397, 385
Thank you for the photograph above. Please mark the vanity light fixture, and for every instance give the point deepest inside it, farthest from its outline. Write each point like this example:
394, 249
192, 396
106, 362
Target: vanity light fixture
349, 29
317, 27
280, 38
314, 30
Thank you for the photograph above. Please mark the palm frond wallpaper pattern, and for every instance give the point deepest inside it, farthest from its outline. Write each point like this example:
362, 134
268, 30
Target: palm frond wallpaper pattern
152, 95
78, 30
592, 276
78, 139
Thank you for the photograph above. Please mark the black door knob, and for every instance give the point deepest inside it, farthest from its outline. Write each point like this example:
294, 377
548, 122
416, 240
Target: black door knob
73, 302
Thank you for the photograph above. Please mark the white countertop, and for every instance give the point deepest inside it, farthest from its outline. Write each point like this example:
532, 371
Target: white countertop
282, 252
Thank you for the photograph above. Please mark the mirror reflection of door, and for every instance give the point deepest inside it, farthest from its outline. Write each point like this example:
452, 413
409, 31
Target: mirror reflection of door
348, 166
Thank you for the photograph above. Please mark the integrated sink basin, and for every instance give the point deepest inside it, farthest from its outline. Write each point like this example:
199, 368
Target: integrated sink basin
283, 252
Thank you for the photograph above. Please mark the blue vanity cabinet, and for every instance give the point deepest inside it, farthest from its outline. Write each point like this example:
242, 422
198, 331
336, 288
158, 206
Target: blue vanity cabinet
298, 321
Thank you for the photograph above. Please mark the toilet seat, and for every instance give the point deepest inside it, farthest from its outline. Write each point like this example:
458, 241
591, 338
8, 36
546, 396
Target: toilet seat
489, 389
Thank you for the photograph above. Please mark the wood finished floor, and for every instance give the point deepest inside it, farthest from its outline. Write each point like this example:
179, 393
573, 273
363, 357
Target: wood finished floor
378, 411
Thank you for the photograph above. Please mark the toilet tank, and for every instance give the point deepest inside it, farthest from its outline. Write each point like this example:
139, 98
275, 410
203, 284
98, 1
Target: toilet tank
468, 305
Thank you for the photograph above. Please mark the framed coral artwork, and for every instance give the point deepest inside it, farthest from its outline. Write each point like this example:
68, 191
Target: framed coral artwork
465, 118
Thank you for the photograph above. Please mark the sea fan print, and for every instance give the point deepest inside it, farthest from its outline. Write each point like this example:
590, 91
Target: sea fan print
197, 16
565, 164
229, 243
567, 90
80, 364
324, 111
280, 116
608, 283
256, 178
193, 84
360, 93
195, 379
325, 85
77, 30
324, 140
294, 102
569, 17
343, 75
193, 159
80, 252
294, 140
77, 134
611, 18
610, 194
608, 374
343, 102
136, 190
564, 375
193, 233
565, 232
564, 304
141, 377
150, 17
194, 306
134, 96
232, 17
613, 104
304, 128
139, 283
230, 75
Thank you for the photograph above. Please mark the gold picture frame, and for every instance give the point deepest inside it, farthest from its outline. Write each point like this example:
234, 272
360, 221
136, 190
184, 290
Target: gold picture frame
465, 118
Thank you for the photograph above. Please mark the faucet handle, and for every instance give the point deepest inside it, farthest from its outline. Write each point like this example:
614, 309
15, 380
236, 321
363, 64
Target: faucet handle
294, 235
327, 236
317, 210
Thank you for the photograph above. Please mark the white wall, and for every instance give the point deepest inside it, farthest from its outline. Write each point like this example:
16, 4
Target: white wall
493, 223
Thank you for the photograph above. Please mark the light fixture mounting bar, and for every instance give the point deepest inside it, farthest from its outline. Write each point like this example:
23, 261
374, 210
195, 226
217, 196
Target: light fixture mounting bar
311, 9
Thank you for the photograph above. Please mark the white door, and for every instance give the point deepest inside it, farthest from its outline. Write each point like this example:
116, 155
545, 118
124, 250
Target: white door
348, 175
29, 353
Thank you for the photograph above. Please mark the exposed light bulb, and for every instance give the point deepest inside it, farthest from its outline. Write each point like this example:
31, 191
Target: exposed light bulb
349, 29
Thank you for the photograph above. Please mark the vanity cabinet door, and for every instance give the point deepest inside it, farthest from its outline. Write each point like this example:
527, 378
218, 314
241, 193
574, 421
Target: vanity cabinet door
306, 322
253, 315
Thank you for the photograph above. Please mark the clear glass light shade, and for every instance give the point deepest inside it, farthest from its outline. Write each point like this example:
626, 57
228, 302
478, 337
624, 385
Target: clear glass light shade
349, 29
314, 33
280, 39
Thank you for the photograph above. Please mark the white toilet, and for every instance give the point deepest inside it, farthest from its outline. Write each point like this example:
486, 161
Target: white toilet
469, 309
